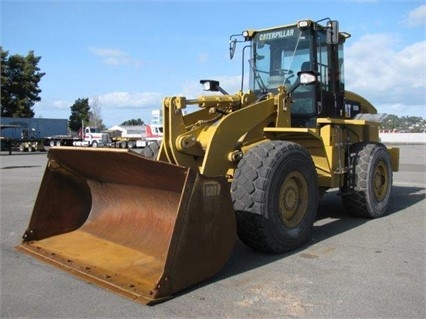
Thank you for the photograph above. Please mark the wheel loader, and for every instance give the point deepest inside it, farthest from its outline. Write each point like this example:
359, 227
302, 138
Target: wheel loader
251, 164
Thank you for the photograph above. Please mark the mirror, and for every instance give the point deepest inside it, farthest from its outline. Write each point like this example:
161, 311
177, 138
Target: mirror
333, 32
232, 45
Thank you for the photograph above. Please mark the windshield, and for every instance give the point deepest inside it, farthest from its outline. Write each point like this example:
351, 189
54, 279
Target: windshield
95, 130
277, 56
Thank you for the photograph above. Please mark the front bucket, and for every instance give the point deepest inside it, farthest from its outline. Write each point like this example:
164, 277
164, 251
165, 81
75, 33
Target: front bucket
145, 229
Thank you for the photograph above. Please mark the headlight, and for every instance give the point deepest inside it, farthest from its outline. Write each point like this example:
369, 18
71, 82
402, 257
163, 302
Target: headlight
206, 86
210, 85
307, 78
303, 23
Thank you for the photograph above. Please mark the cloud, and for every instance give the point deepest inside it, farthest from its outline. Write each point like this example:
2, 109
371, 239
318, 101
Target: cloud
114, 57
402, 109
116, 107
60, 104
416, 17
130, 100
384, 75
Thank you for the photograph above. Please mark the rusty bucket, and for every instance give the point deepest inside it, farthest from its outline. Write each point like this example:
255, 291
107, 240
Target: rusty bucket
144, 229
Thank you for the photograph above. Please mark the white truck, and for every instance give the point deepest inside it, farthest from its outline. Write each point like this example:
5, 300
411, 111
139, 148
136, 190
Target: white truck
89, 136
92, 136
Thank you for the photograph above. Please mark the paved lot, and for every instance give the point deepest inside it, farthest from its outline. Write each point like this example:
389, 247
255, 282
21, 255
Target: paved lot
352, 268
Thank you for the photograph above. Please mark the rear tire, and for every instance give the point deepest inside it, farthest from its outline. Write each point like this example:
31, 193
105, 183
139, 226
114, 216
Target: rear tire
275, 196
369, 182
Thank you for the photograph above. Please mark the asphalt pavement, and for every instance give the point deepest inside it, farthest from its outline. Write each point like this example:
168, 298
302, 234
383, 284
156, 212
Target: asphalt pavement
352, 267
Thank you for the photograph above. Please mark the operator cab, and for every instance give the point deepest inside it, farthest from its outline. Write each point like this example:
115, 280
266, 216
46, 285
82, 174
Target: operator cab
279, 54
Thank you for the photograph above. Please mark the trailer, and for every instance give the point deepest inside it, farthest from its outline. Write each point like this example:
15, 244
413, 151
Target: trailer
61, 140
135, 136
26, 142
127, 136
39, 128
30, 134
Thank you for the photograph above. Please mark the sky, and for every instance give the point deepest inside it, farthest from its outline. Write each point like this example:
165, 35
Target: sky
126, 56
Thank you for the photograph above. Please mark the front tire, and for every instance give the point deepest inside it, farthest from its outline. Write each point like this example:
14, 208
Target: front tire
370, 181
275, 195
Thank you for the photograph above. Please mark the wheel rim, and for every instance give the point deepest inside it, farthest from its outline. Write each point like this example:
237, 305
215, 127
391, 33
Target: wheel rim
380, 181
293, 199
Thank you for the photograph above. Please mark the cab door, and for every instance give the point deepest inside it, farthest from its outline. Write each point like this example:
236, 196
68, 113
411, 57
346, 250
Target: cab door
330, 90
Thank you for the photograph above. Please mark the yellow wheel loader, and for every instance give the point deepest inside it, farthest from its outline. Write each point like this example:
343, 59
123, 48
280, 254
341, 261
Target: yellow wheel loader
252, 164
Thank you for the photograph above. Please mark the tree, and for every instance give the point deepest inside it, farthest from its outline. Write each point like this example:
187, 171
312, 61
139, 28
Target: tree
95, 114
132, 122
391, 122
404, 123
5, 81
79, 113
20, 77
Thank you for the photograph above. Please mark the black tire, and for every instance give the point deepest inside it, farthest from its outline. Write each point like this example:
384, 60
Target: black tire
94, 144
369, 181
275, 195
151, 150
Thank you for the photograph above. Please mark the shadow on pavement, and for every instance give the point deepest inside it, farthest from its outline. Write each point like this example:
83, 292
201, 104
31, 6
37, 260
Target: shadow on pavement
330, 208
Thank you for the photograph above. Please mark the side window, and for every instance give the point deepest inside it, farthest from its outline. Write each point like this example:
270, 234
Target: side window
303, 96
341, 68
323, 61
